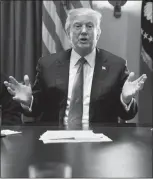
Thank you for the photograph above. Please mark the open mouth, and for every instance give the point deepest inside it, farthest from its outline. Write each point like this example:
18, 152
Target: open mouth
83, 40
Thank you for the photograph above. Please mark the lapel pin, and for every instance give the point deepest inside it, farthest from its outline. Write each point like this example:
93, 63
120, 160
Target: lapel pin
103, 68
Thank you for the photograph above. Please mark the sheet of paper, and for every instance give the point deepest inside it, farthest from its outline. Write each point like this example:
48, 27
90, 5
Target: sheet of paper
77, 140
9, 132
62, 136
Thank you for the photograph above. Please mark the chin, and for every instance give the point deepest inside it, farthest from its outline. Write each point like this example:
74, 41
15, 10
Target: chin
84, 50
84, 47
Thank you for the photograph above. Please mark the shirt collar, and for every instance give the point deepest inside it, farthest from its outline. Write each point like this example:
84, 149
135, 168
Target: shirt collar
90, 57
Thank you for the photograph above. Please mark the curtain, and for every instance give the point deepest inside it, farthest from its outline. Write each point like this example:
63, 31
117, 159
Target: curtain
20, 32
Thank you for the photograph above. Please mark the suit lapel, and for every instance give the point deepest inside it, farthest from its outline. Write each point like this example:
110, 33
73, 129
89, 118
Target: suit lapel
62, 73
100, 73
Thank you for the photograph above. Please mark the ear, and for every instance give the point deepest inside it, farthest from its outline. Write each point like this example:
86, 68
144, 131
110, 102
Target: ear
68, 33
98, 34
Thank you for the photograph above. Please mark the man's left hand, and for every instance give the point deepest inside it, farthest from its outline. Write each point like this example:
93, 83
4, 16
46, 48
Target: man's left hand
131, 87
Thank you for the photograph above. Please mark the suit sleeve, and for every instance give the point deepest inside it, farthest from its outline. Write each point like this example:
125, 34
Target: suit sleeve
123, 113
38, 95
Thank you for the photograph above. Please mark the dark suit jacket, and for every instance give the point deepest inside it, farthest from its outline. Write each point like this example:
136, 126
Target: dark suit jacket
51, 88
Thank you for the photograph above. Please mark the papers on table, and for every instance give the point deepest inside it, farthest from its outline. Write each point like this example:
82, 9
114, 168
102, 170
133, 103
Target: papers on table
70, 136
8, 132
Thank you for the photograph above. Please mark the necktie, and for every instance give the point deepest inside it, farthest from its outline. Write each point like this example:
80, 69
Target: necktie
76, 102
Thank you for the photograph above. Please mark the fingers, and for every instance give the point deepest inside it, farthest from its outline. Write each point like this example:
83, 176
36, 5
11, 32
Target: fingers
140, 85
11, 91
6, 83
13, 80
26, 80
12, 84
9, 85
142, 78
130, 77
140, 81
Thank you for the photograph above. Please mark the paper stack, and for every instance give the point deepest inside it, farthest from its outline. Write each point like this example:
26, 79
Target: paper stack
9, 132
72, 136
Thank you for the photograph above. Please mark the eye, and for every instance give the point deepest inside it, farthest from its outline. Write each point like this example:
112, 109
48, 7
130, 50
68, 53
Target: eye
77, 26
89, 26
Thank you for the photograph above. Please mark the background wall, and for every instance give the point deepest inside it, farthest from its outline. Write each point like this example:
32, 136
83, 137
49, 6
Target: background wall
121, 36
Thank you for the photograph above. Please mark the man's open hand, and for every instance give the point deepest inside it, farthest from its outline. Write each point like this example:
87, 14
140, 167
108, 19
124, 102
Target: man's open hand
21, 92
131, 87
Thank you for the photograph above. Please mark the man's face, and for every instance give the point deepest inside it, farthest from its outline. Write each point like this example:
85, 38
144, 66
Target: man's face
84, 34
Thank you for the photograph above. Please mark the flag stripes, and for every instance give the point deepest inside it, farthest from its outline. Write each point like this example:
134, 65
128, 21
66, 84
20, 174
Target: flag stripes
59, 29
62, 14
51, 26
47, 41
54, 38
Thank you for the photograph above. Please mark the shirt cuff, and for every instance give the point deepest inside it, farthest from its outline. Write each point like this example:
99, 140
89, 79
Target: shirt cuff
127, 107
27, 107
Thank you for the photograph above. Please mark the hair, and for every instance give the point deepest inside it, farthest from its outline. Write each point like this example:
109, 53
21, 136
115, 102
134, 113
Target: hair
82, 11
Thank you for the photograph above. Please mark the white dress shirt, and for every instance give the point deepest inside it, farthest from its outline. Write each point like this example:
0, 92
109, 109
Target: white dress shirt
88, 69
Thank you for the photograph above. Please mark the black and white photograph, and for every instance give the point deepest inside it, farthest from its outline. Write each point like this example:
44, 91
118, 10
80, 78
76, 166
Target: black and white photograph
76, 89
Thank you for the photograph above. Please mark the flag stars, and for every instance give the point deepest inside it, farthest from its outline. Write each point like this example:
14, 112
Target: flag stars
145, 35
150, 39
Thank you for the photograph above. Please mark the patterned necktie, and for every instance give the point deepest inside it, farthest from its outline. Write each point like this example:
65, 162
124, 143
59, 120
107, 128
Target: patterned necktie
76, 102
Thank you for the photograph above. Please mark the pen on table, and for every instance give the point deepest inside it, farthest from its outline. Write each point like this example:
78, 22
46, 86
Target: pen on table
72, 138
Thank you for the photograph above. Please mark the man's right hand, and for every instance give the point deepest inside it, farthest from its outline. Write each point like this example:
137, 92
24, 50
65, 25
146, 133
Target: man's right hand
21, 92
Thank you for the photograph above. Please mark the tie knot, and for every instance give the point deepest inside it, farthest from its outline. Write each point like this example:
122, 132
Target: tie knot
82, 60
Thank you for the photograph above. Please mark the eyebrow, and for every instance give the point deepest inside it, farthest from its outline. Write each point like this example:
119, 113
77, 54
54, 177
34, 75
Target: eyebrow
85, 23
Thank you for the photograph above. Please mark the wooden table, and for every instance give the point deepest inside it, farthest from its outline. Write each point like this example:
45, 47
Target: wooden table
129, 155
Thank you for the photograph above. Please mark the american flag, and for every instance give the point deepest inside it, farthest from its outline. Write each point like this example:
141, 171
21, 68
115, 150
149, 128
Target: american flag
54, 38
146, 63
147, 33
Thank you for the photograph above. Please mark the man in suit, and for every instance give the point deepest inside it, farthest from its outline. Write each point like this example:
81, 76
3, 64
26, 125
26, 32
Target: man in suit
105, 93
